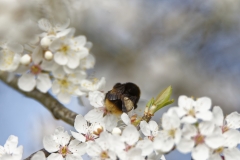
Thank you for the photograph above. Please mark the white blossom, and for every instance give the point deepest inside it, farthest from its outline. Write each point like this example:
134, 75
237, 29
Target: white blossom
96, 98
190, 111
88, 86
86, 132
170, 135
10, 151
10, 55
61, 147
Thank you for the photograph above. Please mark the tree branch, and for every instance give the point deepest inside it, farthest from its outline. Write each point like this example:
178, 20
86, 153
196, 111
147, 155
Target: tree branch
47, 100
43, 150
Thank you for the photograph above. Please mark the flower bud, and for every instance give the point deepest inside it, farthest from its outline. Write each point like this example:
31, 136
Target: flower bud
25, 59
46, 41
116, 131
48, 55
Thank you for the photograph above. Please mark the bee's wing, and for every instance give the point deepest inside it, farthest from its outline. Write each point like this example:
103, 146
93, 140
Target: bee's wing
129, 102
116, 92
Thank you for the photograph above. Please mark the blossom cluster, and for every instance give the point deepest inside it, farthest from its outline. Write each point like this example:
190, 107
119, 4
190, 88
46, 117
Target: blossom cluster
52, 59
191, 127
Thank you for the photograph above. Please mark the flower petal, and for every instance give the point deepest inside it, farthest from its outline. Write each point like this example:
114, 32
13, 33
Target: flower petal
39, 156
130, 135
200, 152
80, 124
203, 104
55, 156
50, 144
77, 148
185, 145
78, 136
60, 58
218, 116
43, 82
233, 120
44, 24
27, 82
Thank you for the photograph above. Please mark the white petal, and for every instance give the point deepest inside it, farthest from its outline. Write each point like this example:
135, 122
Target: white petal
37, 55
178, 134
185, 145
49, 144
27, 82
59, 73
80, 124
170, 122
153, 126
130, 135
38, 156
44, 24
73, 61
203, 104
200, 152
233, 120
11, 144
214, 141
206, 128
94, 115
77, 147
185, 102
62, 137
231, 154
60, 58
188, 119
215, 156
64, 97
231, 138
43, 82
73, 157
110, 121
78, 136
163, 142
145, 128
68, 33
55, 87
125, 118
218, 116
94, 150
55, 156
60, 27
204, 115
189, 131
80, 40
146, 146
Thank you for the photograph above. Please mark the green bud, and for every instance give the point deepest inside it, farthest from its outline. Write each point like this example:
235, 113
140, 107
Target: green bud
162, 100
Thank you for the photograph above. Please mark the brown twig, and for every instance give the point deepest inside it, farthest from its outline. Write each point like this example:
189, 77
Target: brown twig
47, 100
43, 150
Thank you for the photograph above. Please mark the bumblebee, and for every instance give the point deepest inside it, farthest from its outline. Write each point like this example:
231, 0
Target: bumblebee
122, 98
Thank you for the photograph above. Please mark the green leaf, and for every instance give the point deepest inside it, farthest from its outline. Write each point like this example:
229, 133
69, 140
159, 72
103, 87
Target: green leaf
164, 96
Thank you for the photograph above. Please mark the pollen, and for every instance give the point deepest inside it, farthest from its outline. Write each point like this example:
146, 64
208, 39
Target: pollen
64, 151
104, 155
64, 49
191, 112
35, 69
63, 83
219, 150
172, 132
199, 139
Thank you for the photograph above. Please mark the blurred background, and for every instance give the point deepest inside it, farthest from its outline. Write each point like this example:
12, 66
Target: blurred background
194, 46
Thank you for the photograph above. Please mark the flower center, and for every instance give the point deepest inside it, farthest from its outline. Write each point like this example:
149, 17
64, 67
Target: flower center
64, 49
104, 155
172, 133
35, 69
219, 150
191, 112
199, 139
225, 128
64, 151
64, 83
89, 137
